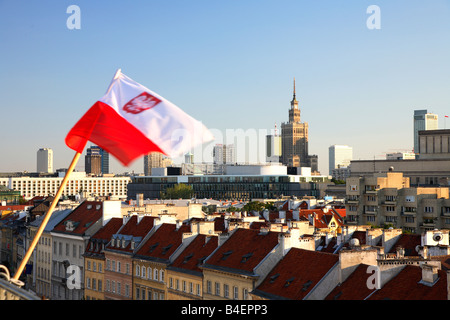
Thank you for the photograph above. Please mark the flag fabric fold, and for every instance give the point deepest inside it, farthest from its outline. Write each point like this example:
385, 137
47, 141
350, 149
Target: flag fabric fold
130, 120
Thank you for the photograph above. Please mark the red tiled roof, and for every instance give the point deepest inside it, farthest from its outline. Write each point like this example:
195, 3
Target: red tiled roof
296, 274
409, 243
243, 250
134, 227
196, 252
103, 235
163, 242
354, 287
406, 286
81, 218
321, 219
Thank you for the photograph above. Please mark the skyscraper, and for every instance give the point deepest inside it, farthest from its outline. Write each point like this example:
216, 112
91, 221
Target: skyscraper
224, 153
155, 160
339, 156
423, 121
96, 160
45, 160
294, 140
273, 147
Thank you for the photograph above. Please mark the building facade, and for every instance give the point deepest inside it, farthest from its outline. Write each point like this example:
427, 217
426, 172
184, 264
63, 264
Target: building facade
388, 200
45, 160
224, 153
339, 156
30, 187
423, 121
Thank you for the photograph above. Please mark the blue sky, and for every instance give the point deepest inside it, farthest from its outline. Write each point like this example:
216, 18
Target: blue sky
229, 64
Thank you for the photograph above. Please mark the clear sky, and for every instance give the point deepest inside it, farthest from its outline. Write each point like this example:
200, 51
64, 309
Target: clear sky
229, 64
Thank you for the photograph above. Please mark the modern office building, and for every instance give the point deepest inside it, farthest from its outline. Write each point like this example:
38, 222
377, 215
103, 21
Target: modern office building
45, 160
238, 182
339, 156
273, 148
294, 140
430, 167
155, 160
96, 161
423, 121
224, 154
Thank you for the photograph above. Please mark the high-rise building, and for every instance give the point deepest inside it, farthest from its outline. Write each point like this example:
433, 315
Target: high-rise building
273, 147
224, 153
155, 160
294, 140
423, 121
96, 160
339, 156
45, 160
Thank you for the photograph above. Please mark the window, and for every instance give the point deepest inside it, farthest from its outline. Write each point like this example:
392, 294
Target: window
198, 289
428, 209
235, 293
208, 287
149, 273
217, 292
244, 293
226, 293
184, 286
138, 271
155, 274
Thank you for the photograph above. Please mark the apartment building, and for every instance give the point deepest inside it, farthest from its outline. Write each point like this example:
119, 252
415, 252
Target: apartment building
41, 259
151, 259
70, 238
94, 260
389, 200
118, 256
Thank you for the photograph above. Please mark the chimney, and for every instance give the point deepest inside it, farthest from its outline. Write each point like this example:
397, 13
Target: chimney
429, 274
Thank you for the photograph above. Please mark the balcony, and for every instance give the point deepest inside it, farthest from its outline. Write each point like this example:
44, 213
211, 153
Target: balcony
12, 291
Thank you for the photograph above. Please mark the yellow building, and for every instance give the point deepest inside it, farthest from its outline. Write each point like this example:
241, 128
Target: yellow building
94, 260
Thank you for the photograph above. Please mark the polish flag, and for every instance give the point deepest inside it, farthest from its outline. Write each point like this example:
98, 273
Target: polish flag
131, 120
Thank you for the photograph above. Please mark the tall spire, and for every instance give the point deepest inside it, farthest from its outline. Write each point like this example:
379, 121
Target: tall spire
294, 89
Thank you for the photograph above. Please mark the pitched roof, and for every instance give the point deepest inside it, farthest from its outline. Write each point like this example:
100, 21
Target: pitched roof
243, 250
81, 218
409, 242
354, 287
102, 236
160, 245
407, 286
134, 230
195, 253
296, 274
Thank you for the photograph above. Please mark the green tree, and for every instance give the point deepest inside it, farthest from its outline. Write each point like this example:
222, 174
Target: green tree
178, 191
253, 206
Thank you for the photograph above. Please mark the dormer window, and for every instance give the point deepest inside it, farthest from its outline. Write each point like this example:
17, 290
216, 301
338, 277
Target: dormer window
97, 207
123, 243
89, 206
112, 242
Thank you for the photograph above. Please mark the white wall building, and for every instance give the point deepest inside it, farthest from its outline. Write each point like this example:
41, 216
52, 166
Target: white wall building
224, 153
339, 156
30, 187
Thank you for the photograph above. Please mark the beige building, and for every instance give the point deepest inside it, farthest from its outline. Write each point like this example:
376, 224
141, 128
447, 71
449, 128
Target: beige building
389, 200
155, 160
41, 259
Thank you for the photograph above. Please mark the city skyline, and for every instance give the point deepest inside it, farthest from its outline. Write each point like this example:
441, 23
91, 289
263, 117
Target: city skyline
230, 66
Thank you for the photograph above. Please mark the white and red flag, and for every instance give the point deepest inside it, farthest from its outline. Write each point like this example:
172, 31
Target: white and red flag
131, 120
